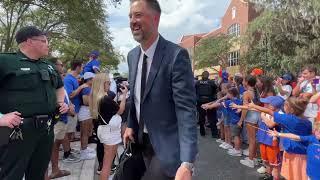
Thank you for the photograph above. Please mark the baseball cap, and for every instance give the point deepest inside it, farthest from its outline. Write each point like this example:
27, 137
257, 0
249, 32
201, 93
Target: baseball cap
257, 72
275, 101
287, 77
94, 53
28, 32
88, 75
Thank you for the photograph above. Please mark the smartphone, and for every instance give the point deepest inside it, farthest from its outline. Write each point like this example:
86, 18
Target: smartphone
316, 81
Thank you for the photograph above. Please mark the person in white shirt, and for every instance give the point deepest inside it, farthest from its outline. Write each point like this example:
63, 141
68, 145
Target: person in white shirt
283, 87
306, 87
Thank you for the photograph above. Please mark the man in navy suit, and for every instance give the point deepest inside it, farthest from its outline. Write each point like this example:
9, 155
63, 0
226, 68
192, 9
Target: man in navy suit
162, 117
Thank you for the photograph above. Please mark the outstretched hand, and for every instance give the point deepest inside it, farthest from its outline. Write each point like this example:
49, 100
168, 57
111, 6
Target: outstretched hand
273, 133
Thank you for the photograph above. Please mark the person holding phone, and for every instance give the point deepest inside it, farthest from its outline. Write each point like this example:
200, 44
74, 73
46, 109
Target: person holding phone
283, 87
307, 86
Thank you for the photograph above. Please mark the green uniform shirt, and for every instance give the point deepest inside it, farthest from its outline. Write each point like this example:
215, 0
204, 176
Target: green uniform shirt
27, 86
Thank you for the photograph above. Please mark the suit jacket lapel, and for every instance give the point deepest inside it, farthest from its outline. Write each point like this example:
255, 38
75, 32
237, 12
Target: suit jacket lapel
134, 65
156, 63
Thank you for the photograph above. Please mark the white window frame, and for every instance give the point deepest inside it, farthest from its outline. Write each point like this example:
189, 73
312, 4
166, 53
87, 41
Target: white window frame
234, 58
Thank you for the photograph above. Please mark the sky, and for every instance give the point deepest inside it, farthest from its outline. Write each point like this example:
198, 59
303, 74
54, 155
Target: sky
178, 18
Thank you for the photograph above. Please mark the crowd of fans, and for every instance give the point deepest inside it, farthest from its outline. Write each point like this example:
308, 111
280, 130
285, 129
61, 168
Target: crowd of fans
96, 109
278, 117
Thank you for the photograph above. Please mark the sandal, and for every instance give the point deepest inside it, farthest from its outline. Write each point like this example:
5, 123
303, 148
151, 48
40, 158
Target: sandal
59, 174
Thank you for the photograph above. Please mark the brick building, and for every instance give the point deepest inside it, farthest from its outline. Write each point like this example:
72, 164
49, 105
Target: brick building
234, 22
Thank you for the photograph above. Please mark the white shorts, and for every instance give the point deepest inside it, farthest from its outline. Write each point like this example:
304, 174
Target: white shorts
72, 124
60, 130
110, 134
84, 113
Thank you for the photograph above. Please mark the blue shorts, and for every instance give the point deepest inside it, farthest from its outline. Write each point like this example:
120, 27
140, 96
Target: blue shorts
252, 117
226, 120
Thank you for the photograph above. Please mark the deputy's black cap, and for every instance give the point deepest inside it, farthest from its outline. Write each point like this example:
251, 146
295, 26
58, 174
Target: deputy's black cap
27, 32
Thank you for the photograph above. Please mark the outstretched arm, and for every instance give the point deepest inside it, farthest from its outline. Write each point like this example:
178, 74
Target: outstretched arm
275, 133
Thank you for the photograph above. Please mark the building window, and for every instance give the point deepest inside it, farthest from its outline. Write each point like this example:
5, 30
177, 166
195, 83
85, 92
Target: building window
234, 58
234, 12
234, 30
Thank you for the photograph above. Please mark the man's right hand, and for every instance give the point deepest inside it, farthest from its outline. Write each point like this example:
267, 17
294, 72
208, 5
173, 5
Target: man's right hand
128, 136
11, 119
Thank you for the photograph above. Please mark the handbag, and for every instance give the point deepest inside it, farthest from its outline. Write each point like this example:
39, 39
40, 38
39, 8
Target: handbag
131, 165
5, 135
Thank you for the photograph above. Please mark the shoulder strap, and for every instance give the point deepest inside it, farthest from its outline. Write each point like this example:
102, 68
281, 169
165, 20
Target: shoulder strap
102, 118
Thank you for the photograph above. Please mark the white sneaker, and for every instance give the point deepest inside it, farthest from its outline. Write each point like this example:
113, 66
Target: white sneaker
219, 141
230, 150
223, 144
235, 152
245, 152
86, 156
255, 160
90, 150
227, 146
247, 162
261, 170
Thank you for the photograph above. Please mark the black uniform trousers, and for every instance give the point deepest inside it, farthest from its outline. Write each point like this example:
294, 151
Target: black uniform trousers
29, 157
212, 119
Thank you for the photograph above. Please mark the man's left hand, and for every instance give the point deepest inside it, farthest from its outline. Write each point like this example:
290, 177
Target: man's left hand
64, 108
183, 173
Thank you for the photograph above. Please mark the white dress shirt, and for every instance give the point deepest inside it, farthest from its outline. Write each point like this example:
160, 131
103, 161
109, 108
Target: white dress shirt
137, 89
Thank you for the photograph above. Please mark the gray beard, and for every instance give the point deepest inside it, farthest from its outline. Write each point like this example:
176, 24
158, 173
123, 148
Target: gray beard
138, 38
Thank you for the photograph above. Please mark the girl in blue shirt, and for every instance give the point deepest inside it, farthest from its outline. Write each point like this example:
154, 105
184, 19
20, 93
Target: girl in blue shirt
313, 149
293, 121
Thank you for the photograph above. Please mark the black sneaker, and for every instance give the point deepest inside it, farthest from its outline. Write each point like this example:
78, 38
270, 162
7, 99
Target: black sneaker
99, 169
266, 177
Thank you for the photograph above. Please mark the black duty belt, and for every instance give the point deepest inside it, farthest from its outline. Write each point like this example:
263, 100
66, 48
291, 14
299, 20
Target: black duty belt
38, 121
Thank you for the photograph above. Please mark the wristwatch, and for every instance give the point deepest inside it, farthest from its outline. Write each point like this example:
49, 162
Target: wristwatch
189, 166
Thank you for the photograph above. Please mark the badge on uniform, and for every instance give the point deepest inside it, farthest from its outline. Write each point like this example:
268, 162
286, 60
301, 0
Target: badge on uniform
44, 75
25, 69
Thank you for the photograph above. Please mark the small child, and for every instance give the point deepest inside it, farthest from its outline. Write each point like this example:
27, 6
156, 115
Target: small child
227, 121
293, 121
269, 146
313, 150
234, 116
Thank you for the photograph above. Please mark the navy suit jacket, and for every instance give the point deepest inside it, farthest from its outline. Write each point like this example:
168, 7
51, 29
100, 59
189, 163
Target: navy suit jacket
168, 106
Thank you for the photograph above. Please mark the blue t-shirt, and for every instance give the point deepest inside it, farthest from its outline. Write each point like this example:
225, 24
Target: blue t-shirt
295, 125
71, 84
232, 113
262, 135
85, 92
223, 110
91, 65
313, 156
63, 117
241, 91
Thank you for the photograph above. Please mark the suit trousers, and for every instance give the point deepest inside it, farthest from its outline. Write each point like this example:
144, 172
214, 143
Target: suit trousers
154, 170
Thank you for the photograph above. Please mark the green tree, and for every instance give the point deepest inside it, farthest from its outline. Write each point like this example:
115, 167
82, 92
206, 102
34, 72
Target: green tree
213, 51
285, 36
74, 27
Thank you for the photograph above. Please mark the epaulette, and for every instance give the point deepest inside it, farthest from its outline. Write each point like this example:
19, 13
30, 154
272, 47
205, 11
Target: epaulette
8, 53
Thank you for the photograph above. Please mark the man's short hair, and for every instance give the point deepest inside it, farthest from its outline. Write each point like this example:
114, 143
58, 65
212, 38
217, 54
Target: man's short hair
310, 68
75, 63
28, 32
153, 4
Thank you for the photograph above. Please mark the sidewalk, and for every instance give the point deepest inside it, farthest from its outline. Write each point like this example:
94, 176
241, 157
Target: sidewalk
83, 170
